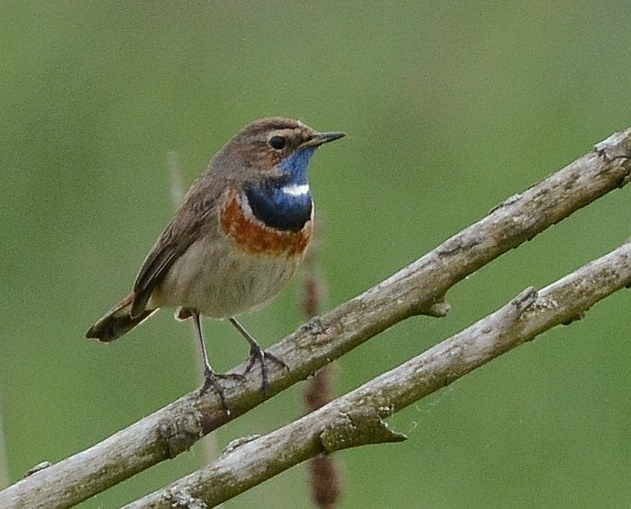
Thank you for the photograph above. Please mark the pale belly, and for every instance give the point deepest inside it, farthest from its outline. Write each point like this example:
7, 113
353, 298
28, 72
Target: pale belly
220, 281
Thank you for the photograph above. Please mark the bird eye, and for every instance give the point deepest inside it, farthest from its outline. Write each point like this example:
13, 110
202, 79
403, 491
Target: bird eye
277, 142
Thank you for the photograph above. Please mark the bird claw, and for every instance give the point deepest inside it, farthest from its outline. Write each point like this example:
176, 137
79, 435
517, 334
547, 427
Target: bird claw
212, 379
260, 355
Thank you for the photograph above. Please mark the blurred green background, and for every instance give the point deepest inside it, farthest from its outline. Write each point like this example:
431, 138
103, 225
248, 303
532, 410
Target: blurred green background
449, 107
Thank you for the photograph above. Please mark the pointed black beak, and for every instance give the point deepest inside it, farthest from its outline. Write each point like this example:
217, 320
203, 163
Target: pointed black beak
322, 138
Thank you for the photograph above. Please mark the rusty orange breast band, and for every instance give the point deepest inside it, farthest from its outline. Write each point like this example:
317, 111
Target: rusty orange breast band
253, 236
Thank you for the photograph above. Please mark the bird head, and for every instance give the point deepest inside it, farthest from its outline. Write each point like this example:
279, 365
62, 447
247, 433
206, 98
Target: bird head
274, 148
268, 161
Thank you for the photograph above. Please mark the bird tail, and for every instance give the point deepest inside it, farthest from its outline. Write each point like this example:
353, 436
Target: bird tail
117, 321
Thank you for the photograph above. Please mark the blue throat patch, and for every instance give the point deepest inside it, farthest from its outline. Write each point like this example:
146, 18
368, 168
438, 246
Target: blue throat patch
277, 208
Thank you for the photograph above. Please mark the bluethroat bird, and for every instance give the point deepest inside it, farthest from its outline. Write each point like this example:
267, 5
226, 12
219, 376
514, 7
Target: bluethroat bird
235, 241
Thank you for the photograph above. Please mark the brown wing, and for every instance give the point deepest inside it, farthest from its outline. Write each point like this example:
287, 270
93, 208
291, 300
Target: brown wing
196, 216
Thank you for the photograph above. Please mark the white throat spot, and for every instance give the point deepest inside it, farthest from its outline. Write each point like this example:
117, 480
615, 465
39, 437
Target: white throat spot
296, 189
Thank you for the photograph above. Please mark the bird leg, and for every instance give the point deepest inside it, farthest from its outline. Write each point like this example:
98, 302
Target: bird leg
211, 379
257, 354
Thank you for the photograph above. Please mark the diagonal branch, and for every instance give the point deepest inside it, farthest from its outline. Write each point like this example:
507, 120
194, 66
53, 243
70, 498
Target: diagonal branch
416, 289
355, 419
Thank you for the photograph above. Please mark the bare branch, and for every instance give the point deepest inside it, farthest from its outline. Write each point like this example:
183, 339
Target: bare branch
417, 289
355, 419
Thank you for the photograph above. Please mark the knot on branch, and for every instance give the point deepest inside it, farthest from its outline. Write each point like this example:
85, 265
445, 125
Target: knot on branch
181, 433
359, 427
38, 468
436, 309
617, 146
182, 498
523, 300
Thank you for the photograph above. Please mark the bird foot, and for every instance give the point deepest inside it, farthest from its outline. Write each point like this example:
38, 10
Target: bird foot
212, 379
257, 354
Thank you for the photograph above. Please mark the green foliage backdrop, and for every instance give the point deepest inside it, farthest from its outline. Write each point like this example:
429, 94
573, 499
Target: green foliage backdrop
449, 107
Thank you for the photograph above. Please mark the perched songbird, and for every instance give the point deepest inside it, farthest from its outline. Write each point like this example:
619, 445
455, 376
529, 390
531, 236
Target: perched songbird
235, 241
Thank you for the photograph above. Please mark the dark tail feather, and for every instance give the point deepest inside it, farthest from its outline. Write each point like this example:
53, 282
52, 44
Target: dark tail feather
117, 321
